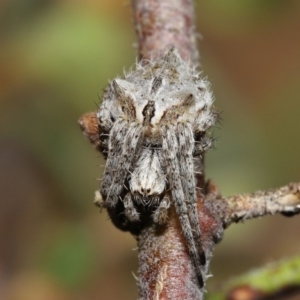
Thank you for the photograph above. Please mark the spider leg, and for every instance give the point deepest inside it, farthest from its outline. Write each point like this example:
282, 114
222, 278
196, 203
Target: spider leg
186, 146
116, 137
202, 146
160, 216
130, 211
131, 147
170, 150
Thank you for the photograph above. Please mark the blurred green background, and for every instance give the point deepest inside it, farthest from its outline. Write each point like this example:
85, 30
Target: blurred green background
56, 56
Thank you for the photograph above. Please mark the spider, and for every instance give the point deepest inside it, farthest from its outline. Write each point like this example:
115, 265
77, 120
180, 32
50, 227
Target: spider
152, 129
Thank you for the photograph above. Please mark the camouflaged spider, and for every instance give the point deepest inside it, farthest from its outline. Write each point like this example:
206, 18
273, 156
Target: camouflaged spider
152, 132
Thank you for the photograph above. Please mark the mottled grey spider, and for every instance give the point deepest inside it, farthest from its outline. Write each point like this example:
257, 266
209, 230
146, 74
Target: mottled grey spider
152, 128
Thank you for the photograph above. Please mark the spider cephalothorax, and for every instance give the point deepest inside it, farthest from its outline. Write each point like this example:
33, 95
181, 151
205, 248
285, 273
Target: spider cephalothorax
153, 128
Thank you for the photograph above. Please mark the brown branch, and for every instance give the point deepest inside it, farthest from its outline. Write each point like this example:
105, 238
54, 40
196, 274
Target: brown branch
285, 200
165, 269
161, 24
164, 266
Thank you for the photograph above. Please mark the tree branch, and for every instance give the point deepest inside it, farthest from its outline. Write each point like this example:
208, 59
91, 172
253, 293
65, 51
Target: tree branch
162, 24
285, 200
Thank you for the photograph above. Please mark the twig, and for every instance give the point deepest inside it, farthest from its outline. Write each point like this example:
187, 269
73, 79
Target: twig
162, 24
285, 200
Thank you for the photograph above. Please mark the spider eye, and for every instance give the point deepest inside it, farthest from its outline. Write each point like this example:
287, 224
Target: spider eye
145, 192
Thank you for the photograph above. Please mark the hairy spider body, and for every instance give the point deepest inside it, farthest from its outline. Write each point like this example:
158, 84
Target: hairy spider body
153, 128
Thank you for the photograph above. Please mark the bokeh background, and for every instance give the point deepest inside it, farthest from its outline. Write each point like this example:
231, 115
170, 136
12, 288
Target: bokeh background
56, 56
